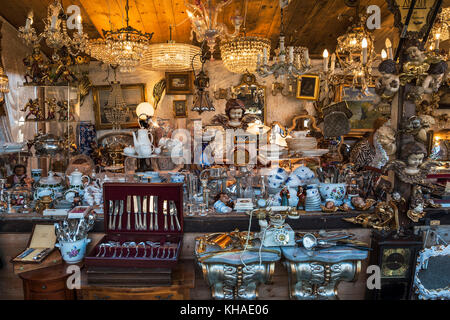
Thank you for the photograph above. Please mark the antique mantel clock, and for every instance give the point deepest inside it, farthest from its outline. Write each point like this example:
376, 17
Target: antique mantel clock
396, 257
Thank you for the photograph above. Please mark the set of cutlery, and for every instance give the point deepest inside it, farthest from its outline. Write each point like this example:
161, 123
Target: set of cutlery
142, 207
143, 249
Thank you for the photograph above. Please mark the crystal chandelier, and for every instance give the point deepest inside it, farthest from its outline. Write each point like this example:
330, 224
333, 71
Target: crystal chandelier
204, 22
123, 47
4, 81
296, 65
171, 56
55, 31
355, 55
439, 31
116, 109
239, 55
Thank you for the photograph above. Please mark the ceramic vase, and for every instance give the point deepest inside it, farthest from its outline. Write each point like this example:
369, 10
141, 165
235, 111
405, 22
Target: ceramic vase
312, 201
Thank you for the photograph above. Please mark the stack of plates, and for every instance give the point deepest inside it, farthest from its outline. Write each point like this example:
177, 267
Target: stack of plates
302, 143
273, 151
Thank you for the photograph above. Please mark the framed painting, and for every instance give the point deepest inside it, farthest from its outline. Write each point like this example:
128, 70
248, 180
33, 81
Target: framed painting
308, 86
179, 109
133, 94
179, 83
361, 105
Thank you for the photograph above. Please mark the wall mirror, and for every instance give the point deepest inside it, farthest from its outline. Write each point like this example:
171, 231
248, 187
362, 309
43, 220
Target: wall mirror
253, 95
303, 123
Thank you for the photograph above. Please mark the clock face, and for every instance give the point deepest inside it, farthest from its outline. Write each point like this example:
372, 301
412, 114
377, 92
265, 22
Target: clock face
395, 263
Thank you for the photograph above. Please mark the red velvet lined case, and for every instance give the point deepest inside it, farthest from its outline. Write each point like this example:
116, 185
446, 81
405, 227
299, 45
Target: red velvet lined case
167, 255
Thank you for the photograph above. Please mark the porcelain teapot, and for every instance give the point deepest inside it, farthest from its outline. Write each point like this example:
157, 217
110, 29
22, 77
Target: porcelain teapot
142, 144
76, 181
49, 186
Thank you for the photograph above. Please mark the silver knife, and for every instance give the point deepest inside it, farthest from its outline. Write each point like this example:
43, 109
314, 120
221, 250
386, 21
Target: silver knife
42, 254
155, 210
174, 211
141, 225
128, 212
165, 215
116, 212
172, 227
151, 210
120, 215
110, 213
135, 208
144, 212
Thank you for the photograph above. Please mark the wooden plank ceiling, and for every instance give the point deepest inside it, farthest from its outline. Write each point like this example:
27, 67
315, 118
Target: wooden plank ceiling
311, 23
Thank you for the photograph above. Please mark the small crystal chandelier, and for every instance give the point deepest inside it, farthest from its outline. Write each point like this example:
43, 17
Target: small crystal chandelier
239, 55
440, 30
55, 31
171, 56
4, 81
123, 47
298, 60
204, 22
202, 101
116, 108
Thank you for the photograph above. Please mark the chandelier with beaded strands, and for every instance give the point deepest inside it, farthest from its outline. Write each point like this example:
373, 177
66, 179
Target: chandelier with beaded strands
124, 47
171, 56
239, 55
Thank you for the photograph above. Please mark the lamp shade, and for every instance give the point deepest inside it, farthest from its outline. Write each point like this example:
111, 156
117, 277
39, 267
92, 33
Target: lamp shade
145, 108
171, 56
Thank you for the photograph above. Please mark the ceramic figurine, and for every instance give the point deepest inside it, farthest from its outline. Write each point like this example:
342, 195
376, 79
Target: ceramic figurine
435, 76
51, 108
329, 207
34, 110
234, 117
36, 68
76, 200
312, 201
284, 194
301, 198
388, 84
416, 67
223, 203
375, 150
418, 127
413, 169
64, 62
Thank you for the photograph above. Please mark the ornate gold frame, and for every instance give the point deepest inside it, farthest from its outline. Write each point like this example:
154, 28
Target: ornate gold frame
295, 120
249, 79
316, 87
95, 94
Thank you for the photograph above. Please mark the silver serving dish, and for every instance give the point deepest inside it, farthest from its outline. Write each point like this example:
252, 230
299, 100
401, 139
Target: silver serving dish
48, 144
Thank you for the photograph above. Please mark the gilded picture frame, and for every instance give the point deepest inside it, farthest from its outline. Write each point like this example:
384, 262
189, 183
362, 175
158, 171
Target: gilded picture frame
361, 105
180, 108
179, 83
133, 94
308, 87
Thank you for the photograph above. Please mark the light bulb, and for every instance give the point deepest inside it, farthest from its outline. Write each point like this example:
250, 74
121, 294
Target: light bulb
364, 43
325, 53
383, 54
388, 43
437, 36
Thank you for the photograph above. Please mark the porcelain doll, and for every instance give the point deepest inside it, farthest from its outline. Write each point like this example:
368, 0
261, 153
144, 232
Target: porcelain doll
234, 117
284, 194
19, 177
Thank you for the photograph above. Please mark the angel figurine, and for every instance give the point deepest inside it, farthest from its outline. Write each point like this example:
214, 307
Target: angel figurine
388, 84
234, 117
51, 108
34, 110
413, 169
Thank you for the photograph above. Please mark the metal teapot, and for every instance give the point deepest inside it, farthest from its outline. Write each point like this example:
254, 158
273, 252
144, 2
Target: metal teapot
48, 144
